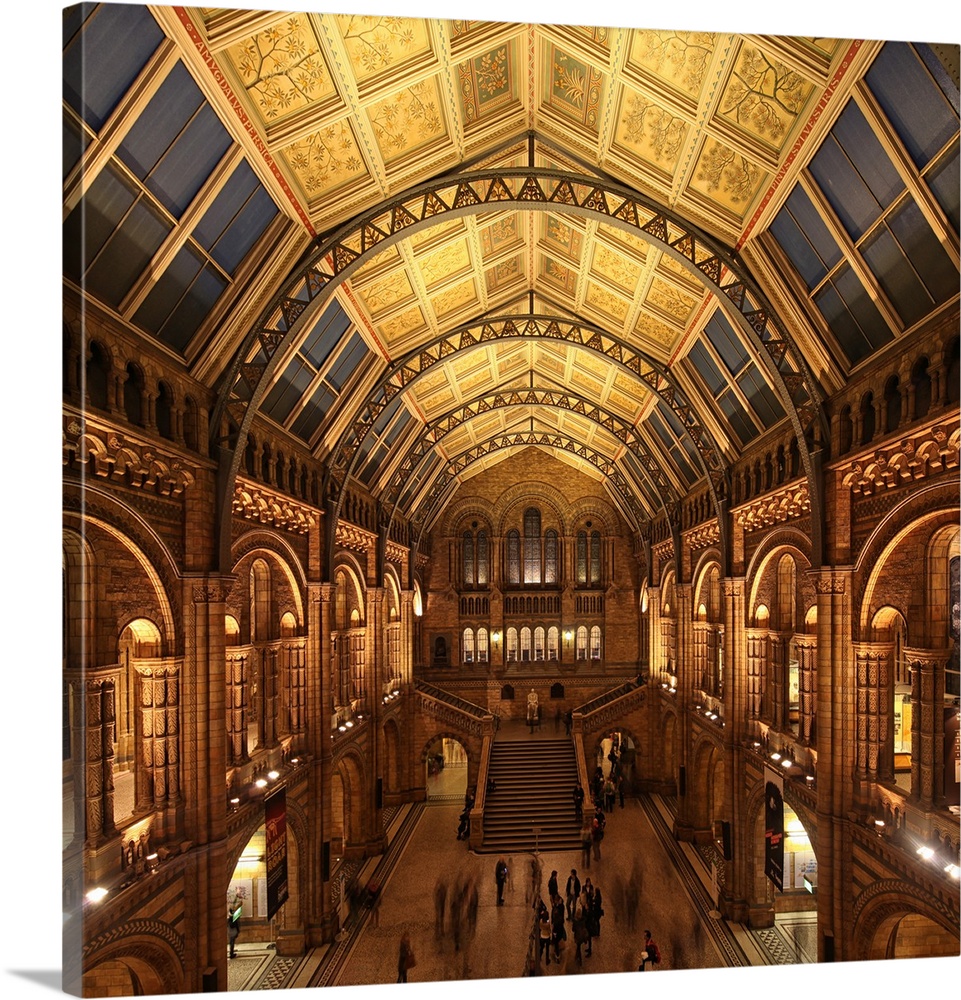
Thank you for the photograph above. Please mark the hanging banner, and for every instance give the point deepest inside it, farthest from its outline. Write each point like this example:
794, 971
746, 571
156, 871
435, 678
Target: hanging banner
275, 822
774, 829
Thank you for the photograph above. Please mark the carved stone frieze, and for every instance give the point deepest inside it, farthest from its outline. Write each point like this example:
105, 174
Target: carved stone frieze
255, 502
931, 451
349, 536
211, 592
113, 456
703, 536
774, 508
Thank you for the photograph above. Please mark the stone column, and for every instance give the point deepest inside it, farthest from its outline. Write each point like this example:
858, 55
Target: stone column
376, 669
807, 649
836, 736
204, 744
871, 724
927, 724
684, 821
158, 781
733, 878
319, 915
236, 709
99, 728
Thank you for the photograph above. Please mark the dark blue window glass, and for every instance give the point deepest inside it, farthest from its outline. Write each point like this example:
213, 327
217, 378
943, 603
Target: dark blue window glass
347, 363
313, 412
236, 219
326, 334
737, 418
726, 342
913, 102
104, 55
707, 369
126, 254
176, 143
761, 397
288, 389
90, 224
854, 172
945, 182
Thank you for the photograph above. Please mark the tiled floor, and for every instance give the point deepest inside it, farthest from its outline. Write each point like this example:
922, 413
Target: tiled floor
674, 902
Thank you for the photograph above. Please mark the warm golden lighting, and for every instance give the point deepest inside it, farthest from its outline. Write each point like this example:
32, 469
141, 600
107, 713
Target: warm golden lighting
95, 895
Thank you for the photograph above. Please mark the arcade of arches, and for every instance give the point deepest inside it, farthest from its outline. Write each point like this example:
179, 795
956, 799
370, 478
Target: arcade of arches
434, 381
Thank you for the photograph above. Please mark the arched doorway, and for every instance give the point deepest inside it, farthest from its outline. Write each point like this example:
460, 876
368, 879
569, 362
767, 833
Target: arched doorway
911, 935
446, 769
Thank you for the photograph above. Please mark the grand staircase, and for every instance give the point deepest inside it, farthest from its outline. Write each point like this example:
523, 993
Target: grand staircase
534, 780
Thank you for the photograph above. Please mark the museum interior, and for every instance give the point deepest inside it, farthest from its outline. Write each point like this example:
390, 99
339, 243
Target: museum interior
456, 412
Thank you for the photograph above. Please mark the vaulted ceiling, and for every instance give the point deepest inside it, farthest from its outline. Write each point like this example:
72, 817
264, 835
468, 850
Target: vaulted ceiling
412, 330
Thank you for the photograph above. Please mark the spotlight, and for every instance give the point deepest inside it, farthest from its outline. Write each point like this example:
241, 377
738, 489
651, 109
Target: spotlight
273, 775
95, 895
925, 852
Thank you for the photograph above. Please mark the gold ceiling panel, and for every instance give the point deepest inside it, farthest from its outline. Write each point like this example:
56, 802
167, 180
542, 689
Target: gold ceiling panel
506, 232
408, 121
377, 45
487, 84
727, 178
649, 328
679, 60
679, 273
573, 88
443, 264
558, 236
764, 96
650, 132
615, 267
605, 302
387, 293
282, 68
668, 300
505, 274
627, 243
326, 160
402, 325
437, 232
455, 299
558, 275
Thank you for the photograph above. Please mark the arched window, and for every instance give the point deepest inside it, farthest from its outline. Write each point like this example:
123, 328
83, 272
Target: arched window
482, 649
98, 368
231, 631
845, 430
581, 642
581, 571
483, 559
596, 642
550, 557
552, 642
532, 545
191, 428
867, 419
953, 376
921, 380
468, 645
892, 405
525, 644
513, 556
259, 601
133, 395
164, 408
511, 645
539, 643
595, 558
468, 559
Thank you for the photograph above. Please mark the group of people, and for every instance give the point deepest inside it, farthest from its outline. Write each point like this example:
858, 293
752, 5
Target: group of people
581, 906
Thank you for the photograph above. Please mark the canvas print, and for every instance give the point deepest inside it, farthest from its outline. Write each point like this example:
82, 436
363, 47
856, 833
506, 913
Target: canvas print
511, 515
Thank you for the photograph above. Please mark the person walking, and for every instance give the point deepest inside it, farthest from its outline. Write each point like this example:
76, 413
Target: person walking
572, 891
500, 877
609, 795
587, 904
651, 955
597, 911
552, 886
405, 958
587, 840
579, 927
558, 931
620, 788
233, 924
597, 832
543, 931
578, 796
